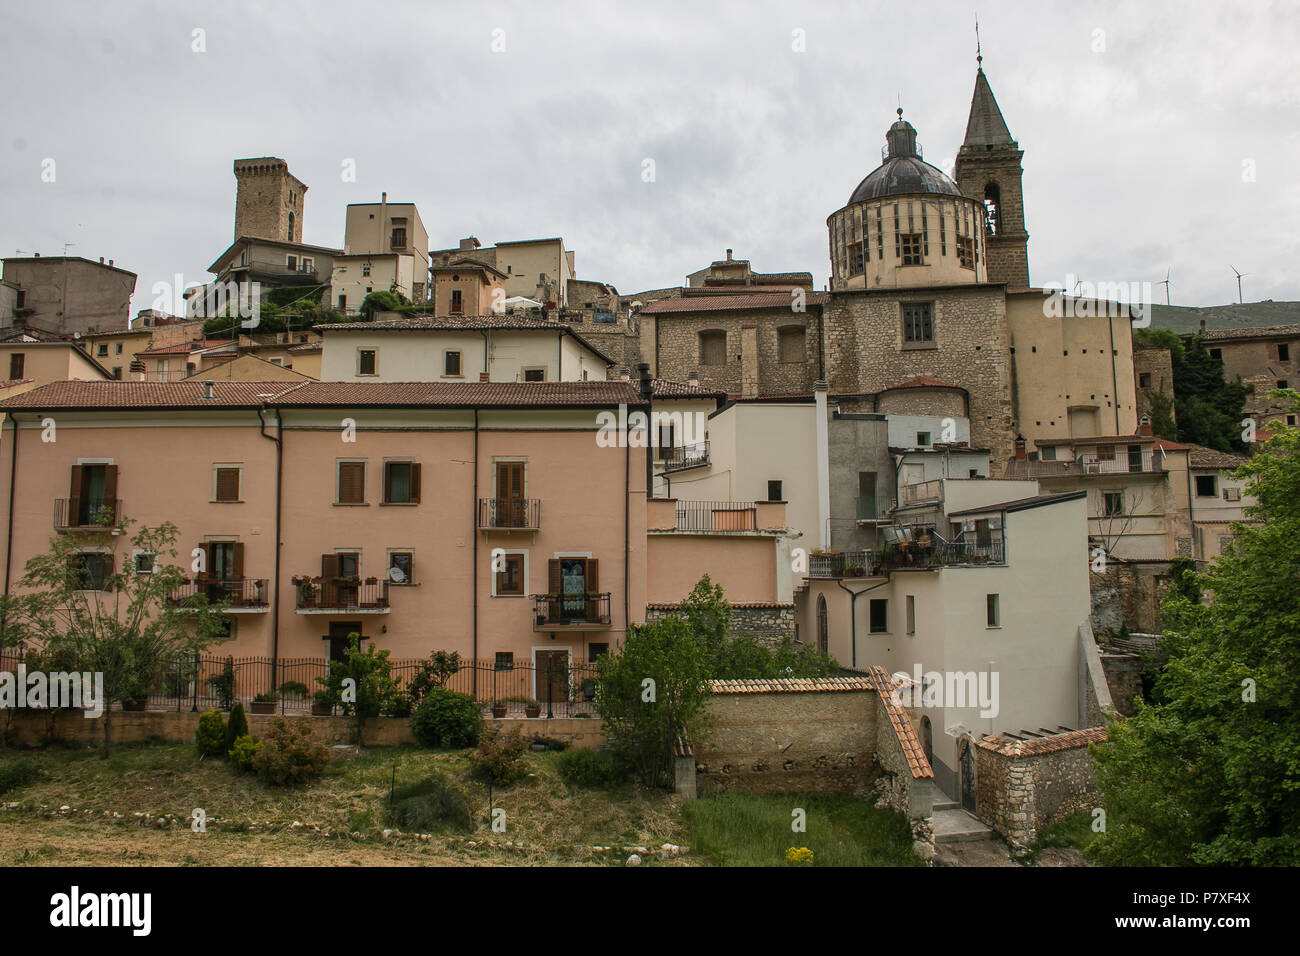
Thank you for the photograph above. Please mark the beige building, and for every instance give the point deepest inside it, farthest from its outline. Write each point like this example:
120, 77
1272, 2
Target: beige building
466, 287
538, 269
68, 294
30, 355
385, 248
504, 348
1265, 359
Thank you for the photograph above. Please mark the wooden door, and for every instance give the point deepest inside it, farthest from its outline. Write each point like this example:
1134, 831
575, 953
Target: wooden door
511, 506
552, 676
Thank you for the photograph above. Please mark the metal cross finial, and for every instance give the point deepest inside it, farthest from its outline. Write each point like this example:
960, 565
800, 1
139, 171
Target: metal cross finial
979, 54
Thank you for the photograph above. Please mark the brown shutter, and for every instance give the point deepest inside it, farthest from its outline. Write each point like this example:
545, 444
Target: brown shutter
227, 484
352, 482
238, 561
74, 496
415, 482
207, 561
110, 490
329, 565
593, 575
553, 583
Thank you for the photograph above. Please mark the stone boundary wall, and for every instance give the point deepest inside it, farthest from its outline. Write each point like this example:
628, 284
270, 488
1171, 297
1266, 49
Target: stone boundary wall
770, 624
37, 729
1023, 785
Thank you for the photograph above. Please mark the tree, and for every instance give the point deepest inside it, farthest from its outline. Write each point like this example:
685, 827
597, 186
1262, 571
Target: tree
88, 608
1208, 408
382, 301
1210, 773
361, 683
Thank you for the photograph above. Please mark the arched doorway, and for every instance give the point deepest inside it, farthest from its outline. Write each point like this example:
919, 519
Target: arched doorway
967, 761
823, 625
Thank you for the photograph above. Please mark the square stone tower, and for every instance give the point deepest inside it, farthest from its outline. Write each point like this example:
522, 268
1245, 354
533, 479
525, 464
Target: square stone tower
269, 201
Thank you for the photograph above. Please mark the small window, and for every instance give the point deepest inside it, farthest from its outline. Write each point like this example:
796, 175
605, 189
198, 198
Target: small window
595, 651
401, 483
17, 362
352, 483
922, 439
276, 361
992, 610
399, 237
143, 562
457, 302
366, 364
117, 372
1290, 419
912, 249
713, 348
510, 579
911, 614
1207, 486
101, 351
365, 268
966, 252
1047, 453
90, 570
226, 483
534, 375
308, 264
118, 349
291, 263
879, 615
918, 322
451, 363
1283, 352
404, 563
505, 661
1281, 383
1113, 503
1216, 354
774, 491
1144, 380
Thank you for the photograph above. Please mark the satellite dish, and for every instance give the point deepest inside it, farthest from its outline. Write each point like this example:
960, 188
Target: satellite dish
396, 574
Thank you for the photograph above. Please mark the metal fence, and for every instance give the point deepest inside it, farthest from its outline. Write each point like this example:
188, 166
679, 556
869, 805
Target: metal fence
192, 683
716, 516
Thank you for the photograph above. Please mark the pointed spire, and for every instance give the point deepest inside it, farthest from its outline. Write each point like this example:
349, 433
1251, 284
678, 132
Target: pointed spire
986, 127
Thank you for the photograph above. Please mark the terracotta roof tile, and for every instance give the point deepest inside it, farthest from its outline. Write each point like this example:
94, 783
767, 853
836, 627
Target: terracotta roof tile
110, 395
1203, 457
922, 381
903, 730
666, 389
462, 394
1267, 332
793, 685
730, 303
1038, 746
412, 323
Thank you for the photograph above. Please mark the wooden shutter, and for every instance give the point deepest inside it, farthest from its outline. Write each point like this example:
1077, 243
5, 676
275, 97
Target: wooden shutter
352, 482
329, 565
227, 484
415, 482
110, 490
553, 583
592, 582
74, 496
207, 561
237, 561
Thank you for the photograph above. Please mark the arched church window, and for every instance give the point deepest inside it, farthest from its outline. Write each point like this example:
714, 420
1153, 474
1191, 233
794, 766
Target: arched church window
993, 209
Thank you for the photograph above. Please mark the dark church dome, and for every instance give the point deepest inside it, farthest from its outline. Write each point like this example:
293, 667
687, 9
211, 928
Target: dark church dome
903, 172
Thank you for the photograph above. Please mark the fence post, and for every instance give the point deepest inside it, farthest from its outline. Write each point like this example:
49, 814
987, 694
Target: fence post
198, 669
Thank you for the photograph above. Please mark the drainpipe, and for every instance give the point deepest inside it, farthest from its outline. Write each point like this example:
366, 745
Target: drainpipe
474, 528
485, 357
1114, 379
627, 536
9, 535
647, 395
275, 583
853, 613
823, 466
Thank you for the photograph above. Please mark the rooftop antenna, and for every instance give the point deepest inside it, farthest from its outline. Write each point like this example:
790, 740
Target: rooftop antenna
979, 54
1239, 277
65, 248
1165, 283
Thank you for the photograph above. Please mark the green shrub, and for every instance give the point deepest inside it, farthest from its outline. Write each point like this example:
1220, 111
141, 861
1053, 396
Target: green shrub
210, 738
430, 805
499, 758
242, 751
447, 719
288, 757
293, 689
595, 769
15, 774
223, 685
399, 705
236, 727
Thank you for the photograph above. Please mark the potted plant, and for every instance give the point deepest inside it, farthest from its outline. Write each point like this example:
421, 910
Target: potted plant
498, 709
306, 591
264, 703
322, 704
135, 704
531, 707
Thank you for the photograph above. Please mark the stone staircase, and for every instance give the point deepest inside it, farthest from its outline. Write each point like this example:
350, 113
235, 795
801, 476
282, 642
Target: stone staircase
952, 824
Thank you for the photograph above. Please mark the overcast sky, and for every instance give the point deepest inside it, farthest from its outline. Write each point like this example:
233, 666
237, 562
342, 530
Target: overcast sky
1156, 134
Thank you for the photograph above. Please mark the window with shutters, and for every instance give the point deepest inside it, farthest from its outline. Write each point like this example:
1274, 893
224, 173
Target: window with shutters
401, 483
457, 302
226, 482
713, 347
351, 484
90, 570
451, 364
92, 495
16, 363
511, 579
367, 362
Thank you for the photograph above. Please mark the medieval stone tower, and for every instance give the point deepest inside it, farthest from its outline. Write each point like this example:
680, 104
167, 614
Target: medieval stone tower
988, 170
269, 201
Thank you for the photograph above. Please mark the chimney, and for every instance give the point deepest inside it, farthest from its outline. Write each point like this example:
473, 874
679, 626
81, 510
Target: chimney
1020, 448
693, 378
1144, 425
624, 375
36, 255
110, 262
469, 243
101, 260
209, 390
728, 255
1202, 325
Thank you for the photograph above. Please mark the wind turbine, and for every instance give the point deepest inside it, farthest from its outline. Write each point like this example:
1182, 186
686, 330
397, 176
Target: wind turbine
1165, 283
1239, 277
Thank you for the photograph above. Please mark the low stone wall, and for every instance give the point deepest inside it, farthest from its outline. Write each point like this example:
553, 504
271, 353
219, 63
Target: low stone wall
1023, 785
770, 624
36, 728
1124, 677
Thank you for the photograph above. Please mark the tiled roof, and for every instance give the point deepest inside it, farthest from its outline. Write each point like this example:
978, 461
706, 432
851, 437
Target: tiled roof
903, 730
305, 348
419, 323
666, 389
792, 685
1203, 457
745, 604
1021, 504
197, 345
1038, 746
922, 381
1164, 444
733, 303
15, 382
1272, 331
112, 395
461, 394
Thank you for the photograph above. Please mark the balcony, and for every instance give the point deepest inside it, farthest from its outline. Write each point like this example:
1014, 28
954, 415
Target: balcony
246, 595
682, 457
509, 514
571, 612
341, 595
86, 514
923, 491
717, 516
1120, 465
943, 554
847, 564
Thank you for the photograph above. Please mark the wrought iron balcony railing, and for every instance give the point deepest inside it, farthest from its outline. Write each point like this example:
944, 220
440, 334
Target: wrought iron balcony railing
240, 592
509, 513
556, 611
86, 514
